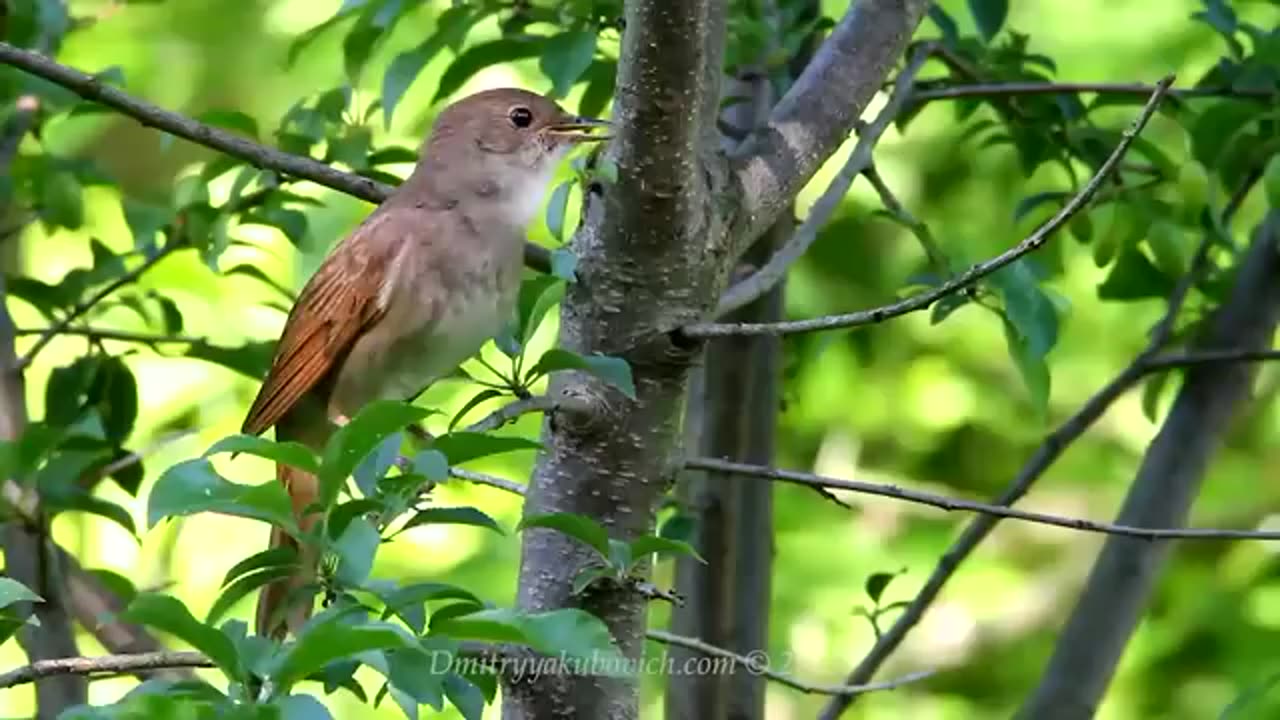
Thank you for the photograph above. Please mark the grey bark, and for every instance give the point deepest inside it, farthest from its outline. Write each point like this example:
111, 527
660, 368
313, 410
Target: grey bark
1127, 569
653, 254
727, 599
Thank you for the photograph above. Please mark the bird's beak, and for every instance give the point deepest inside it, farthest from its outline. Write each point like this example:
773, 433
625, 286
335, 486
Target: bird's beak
577, 129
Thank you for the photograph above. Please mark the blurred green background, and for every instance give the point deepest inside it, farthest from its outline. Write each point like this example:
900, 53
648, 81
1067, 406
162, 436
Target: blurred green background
933, 407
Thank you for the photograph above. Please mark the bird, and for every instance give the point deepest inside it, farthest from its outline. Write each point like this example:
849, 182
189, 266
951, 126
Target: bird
416, 289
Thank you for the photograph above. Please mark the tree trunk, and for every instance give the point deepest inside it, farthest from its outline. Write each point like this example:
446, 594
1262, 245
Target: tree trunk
1127, 569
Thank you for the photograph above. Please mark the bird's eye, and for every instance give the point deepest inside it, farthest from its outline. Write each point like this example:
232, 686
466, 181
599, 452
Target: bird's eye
521, 117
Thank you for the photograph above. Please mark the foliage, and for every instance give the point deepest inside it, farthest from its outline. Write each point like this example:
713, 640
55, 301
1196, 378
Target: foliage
215, 227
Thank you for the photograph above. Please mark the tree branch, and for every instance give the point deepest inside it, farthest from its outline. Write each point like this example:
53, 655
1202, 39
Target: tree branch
819, 110
1045, 455
923, 300
753, 665
745, 292
104, 664
94, 89
951, 504
1122, 579
924, 92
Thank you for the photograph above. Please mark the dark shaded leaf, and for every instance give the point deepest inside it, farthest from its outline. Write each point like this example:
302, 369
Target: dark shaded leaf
565, 57
354, 441
453, 516
171, 616
479, 57
191, 487
579, 527
294, 454
614, 371
462, 446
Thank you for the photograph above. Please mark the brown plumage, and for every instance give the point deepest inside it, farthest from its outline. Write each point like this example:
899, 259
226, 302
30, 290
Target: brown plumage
416, 289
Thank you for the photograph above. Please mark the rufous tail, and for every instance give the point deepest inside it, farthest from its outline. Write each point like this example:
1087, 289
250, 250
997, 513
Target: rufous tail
283, 607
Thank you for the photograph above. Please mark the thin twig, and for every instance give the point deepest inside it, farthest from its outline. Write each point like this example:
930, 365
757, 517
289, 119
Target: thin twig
923, 300
952, 504
955, 92
749, 290
104, 664
512, 411
99, 333
488, 480
753, 665
86, 305
895, 208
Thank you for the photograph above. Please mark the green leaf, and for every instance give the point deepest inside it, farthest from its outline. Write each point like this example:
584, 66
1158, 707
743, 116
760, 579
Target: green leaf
453, 516
462, 446
876, 584
537, 295
325, 642
579, 527
452, 26
650, 544
606, 170
556, 206
245, 584
407, 602
354, 441
989, 16
301, 707
574, 634
61, 199
477, 399
355, 549
465, 696
589, 575
1035, 373
419, 674
294, 454
1134, 277
565, 58
251, 359
431, 464
1028, 307
192, 487
479, 57
614, 371
167, 614
564, 265
12, 591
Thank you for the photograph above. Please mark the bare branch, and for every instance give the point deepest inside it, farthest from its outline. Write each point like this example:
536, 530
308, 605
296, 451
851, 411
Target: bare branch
100, 333
488, 480
260, 156
952, 504
924, 93
747, 291
923, 300
754, 665
1045, 455
820, 109
536, 404
104, 664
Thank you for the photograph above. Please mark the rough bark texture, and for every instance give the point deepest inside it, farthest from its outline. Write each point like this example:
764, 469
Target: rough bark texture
653, 254
1127, 569
642, 271
727, 598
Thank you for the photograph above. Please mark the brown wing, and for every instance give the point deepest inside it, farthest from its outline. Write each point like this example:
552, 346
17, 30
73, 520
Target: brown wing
339, 302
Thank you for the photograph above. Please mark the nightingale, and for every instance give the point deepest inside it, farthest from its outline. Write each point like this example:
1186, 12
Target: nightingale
412, 292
